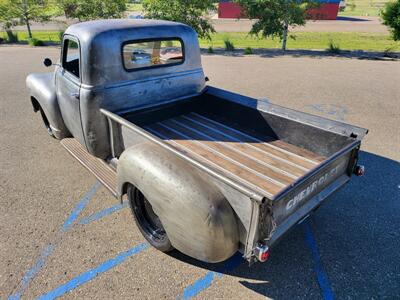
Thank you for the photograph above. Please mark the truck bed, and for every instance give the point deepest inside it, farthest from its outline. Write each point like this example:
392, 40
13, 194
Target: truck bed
272, 164
266, 163
264, 153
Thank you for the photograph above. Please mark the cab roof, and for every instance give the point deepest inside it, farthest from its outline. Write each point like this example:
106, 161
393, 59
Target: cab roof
91, 29
101, 45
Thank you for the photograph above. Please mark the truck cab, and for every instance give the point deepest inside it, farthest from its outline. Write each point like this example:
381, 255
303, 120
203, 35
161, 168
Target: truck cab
118, 65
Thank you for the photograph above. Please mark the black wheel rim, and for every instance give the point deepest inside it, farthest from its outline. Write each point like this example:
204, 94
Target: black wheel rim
146, 216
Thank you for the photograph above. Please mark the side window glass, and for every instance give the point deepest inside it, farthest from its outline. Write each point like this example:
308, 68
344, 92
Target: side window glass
71, 57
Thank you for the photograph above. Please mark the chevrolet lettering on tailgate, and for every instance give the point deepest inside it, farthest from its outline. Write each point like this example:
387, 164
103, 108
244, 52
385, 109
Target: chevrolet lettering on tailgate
312, 187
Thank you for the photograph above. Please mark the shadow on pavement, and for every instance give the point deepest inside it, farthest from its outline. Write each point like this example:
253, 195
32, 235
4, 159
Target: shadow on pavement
349, 54
351, 19
358, 234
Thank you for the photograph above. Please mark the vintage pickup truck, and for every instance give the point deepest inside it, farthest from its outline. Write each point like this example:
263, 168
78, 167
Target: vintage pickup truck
205, 171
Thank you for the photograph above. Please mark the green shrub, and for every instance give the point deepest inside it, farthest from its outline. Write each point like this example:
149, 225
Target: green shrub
333, 48
60, 34
210, 50
1, 40
35, 42
391, 18
389, 52
248, 51
228, 45
352, 6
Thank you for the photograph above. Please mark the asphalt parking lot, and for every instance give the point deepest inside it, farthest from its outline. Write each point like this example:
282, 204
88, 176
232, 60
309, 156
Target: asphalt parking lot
63, 235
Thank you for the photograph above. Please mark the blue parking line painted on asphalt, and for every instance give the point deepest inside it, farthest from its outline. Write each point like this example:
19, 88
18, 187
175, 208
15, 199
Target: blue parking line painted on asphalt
322, 277
199, 286
92, 273
48, 250
102, 213
81, 205
206, 281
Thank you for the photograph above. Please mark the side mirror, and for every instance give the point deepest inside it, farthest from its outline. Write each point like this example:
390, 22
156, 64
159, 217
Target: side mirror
47, 62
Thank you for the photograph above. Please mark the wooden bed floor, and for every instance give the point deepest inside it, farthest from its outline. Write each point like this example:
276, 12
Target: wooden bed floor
263, 163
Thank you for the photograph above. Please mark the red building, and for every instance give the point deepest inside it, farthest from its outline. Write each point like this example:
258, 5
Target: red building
229, 10
328, 10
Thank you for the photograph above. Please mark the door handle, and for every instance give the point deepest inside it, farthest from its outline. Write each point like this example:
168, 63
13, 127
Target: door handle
74, 95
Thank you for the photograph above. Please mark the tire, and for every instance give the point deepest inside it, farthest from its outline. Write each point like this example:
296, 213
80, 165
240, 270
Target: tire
147, 221
46, 123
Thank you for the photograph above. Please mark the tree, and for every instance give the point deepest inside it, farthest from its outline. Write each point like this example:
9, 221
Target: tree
275, 16
190, 12
391, 18
5, 19
85, 10
26, 11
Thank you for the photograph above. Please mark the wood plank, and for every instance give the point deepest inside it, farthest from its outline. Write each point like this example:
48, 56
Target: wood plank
250, 149
295, 155
228, 151
247, 152
264, 163
197, 148
299, 151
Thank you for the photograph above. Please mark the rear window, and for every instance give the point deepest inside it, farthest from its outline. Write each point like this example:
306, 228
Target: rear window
152, 53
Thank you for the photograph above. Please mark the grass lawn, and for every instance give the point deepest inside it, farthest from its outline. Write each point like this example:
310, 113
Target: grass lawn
45, 36
310, 40
134, 7
363, 7
304, 40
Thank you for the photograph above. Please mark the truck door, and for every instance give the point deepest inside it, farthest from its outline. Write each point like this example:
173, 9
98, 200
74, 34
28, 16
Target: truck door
68, 80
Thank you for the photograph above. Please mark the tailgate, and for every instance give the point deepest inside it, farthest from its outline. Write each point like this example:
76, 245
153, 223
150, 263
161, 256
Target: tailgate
298, 201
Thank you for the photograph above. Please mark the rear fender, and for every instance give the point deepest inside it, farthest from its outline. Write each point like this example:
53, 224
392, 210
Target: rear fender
197, 218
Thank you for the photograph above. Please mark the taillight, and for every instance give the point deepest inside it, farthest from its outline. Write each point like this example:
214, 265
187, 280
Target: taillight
359, 170
262, 252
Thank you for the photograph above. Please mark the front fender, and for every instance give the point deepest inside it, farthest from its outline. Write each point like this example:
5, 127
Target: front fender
197, 218
41, 87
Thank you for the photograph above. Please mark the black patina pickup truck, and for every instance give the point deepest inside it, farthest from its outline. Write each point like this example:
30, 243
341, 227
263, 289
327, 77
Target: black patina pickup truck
206, 171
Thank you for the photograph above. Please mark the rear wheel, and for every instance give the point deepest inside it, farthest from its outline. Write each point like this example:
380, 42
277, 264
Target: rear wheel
148, 222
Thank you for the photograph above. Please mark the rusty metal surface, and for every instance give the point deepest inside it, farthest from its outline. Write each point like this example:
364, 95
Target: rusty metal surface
96, 166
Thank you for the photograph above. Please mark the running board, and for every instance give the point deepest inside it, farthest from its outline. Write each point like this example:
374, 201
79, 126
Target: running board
105, 174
